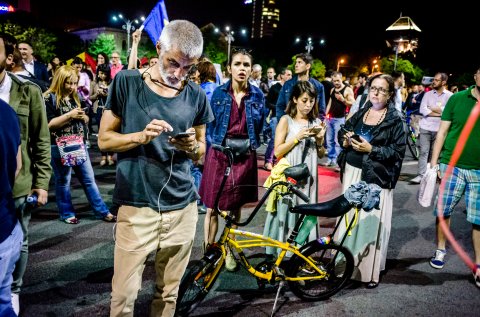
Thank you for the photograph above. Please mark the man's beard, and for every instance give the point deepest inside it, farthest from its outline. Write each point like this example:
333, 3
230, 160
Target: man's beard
170, 80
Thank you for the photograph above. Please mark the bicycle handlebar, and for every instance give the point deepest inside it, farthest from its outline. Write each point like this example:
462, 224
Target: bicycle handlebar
229, 153
297, 192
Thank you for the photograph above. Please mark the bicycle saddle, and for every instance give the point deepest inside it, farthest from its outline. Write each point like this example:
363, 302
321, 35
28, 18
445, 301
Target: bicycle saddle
330, 209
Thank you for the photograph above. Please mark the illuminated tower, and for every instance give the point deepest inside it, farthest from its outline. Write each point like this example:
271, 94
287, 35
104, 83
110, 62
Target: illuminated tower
266, 16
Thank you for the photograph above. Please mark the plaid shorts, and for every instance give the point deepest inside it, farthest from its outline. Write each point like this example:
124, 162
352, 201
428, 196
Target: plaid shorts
462, 181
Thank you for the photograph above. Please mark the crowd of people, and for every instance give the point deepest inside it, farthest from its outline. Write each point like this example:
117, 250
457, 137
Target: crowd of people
158, 124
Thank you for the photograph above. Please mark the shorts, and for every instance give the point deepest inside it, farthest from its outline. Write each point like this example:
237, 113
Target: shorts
462, 181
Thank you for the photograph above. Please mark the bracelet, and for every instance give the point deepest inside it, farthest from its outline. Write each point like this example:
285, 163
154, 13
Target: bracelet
194, 151
295, 141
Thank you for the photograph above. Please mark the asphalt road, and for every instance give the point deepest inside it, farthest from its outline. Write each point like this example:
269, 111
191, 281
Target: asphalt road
71, 266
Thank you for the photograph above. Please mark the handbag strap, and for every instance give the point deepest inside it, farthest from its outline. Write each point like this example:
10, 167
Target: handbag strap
305, 149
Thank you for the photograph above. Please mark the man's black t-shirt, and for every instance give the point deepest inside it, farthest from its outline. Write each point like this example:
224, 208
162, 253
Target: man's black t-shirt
156, 174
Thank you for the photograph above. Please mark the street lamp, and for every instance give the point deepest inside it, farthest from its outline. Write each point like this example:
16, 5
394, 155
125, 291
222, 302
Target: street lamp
229, 38
128, 26
340, 61
374, 65
309, 43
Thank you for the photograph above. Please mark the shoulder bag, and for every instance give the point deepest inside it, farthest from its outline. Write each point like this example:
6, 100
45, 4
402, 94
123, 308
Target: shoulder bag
71, 147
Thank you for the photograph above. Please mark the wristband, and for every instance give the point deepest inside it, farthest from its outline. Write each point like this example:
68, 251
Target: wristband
295, 141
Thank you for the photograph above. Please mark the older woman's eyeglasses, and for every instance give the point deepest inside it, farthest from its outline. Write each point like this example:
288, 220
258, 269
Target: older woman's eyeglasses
380, 90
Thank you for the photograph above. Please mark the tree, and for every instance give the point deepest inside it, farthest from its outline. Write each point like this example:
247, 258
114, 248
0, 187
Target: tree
42, 40
103, 43
413, 73
214, 45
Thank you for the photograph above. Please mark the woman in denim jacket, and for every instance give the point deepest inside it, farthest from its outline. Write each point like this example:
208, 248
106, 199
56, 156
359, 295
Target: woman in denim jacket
238, 109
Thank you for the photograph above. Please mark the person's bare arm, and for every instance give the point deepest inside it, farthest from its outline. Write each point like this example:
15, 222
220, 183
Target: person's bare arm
60, 121
132, 59
110, 140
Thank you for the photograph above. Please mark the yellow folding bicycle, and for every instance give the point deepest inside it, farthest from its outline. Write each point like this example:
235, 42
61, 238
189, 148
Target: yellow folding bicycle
315, 271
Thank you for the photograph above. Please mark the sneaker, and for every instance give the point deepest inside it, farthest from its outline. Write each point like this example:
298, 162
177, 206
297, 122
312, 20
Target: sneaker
438, 261
230, 262
15, 303
416, 180
476, 276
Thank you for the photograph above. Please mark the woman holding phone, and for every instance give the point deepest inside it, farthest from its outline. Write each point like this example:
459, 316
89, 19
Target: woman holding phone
299, 138
66, 116
373, 142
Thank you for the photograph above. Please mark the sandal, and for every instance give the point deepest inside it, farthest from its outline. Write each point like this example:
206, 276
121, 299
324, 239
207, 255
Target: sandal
371, 285
110, 218
71, 220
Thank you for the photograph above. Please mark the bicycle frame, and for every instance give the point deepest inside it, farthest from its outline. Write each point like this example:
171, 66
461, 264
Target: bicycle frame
258, 240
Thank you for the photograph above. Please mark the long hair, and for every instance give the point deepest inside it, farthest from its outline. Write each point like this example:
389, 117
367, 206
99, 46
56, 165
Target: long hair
299, 89
104, 68
62, 75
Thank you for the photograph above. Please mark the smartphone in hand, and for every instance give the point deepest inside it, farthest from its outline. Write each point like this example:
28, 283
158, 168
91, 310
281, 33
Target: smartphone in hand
315, 129
185, 134
356, 137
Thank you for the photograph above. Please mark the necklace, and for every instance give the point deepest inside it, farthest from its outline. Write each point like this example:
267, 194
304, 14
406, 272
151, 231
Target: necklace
371, 126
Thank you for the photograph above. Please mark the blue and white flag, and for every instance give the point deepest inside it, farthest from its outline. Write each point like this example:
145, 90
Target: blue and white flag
155, 21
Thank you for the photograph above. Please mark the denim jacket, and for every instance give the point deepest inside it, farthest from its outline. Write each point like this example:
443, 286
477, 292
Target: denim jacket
221, 104
286, 91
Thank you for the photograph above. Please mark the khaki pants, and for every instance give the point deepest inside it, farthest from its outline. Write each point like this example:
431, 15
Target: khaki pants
140, 231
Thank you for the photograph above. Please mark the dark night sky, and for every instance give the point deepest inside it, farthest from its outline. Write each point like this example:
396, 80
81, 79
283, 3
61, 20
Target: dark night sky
358, 30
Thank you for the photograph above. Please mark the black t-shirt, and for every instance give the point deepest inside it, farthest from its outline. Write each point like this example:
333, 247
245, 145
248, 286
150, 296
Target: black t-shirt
337, 108
156, 174
272, 97
328, 86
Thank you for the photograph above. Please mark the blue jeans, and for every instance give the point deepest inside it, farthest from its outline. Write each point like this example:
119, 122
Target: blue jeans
84, 173
24, 213
333, 147
9, 254
271, 142
266, 127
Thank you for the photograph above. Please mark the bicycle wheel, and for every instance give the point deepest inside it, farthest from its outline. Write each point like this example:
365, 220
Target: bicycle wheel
336, 262
412, 144
195, 285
